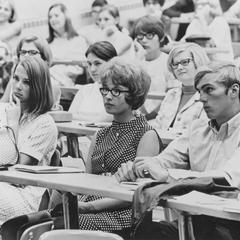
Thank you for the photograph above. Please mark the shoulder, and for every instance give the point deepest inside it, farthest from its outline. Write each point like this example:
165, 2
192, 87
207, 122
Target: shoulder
45, 121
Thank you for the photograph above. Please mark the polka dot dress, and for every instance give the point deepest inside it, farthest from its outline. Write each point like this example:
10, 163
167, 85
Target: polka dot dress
114, 145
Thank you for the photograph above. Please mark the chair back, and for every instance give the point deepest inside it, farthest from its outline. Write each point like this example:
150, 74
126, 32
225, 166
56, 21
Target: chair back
79, 235
10, 228
35, 231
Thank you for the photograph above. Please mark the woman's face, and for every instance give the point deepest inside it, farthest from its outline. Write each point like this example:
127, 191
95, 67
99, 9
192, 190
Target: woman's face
153, 8
115, 105
57, 19
184, 68
21, 88
94, 64
150, 43
29, 49
105, 19
5, 11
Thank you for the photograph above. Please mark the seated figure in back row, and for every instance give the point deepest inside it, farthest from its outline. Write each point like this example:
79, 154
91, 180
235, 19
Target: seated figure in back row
211, 148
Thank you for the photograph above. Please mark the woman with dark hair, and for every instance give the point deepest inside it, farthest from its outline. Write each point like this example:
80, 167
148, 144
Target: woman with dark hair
124, 87
87, 104
35, 131
65, 44
149, 38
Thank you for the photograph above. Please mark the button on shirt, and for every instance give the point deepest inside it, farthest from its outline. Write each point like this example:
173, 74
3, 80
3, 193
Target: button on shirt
205, 148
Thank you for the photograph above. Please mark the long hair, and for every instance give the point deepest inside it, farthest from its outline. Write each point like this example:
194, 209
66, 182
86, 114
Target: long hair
40, 99
69, 29
41, 45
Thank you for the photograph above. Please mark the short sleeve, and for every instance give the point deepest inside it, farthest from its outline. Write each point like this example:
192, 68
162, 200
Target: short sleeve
41, 142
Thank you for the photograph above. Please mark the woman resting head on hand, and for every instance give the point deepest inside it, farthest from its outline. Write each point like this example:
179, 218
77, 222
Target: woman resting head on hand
37, 132
32, 99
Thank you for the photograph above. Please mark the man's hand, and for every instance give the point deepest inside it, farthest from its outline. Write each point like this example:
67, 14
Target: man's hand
149, 166
125, 172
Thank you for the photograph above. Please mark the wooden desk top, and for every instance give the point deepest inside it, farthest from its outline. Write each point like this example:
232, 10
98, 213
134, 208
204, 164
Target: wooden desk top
71, 182
76, 128
193, 208
107, 187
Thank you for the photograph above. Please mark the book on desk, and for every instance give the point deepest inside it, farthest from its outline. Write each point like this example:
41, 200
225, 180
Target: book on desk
45, 169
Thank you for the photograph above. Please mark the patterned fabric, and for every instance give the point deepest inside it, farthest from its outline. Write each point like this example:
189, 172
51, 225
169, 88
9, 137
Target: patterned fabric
37, 138
114, 145
193, 109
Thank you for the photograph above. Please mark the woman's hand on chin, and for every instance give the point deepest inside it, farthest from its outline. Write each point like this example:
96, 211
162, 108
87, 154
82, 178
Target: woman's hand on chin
13, 111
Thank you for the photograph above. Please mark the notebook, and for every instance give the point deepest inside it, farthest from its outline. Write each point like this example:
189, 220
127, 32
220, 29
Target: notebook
45, 169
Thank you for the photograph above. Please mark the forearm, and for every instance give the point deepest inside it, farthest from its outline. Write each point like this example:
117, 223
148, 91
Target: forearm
102, 205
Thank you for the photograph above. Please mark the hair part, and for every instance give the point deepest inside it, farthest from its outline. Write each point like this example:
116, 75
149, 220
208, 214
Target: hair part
41, 98
69, 29
227, 73
129, 75
103, 50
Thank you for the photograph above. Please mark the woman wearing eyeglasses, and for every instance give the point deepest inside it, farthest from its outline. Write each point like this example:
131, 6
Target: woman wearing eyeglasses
35, 46
181, 105
149, 38
124, 89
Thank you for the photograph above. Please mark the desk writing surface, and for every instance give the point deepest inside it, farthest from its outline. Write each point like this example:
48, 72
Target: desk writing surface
192, 203
76, 128
71, 182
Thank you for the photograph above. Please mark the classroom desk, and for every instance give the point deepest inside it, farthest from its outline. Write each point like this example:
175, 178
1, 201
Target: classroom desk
81, 183
107, 187
75, 129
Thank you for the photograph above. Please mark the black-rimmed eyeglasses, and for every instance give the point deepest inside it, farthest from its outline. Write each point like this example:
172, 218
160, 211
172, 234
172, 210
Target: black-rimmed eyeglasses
184, 62
149, 36
115, 92
29, 52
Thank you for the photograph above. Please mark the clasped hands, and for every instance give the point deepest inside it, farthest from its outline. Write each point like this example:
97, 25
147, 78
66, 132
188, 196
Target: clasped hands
140, 168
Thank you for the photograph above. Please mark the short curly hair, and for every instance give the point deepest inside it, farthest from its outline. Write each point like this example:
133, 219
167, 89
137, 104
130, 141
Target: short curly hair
130, 75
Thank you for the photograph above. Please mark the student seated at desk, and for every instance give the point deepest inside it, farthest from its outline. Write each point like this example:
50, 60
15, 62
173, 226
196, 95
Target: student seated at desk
207, 22
124, 89
65, 44
181, 105
87, 104
208, 147
34, 129
35, 46
149, 38
113, 32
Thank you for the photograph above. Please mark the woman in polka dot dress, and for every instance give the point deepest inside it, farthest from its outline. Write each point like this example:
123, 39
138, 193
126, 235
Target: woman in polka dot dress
124, 89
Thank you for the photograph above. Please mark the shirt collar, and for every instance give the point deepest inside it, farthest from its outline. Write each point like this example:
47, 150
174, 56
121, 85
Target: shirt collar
227, 127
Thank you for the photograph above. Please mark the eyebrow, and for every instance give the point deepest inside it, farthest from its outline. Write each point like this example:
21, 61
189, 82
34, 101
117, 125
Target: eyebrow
205, 85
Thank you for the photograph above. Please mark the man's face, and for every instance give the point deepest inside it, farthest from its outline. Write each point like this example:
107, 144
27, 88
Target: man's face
217, 101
